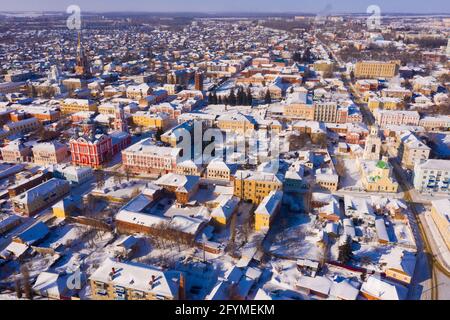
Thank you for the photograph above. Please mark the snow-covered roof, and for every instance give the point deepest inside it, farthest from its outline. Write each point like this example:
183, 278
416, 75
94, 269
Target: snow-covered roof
318, 284
50, 284
399, 259
383, 290
187, 225
442, 207
270, 203
40, 191
34, 233
225, 207
344, 290
181, 182
138, 277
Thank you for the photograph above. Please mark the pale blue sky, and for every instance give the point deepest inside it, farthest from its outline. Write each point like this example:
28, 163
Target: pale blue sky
311, 6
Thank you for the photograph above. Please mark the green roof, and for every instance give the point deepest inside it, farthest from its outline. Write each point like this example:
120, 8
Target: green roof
382, 165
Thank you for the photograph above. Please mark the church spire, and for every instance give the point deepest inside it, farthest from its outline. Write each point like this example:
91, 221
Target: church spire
82, 67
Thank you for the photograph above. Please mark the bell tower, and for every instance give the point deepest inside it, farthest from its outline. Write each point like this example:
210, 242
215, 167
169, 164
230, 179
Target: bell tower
82, 67
372, 148
120, 122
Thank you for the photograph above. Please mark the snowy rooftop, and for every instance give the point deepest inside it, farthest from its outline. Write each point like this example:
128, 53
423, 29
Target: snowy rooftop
138, 277
383, 290
270, 203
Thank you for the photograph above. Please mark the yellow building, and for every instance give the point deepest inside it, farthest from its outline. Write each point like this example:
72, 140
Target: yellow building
107, 109
324, 65
217, 169
386, 103
374, 103
150, 120
299, 111
237, 123
225, 207
189, 168
254, 186
77, 105
376, 69
267, 210
63, 208
135, 281
376, 176
440, 213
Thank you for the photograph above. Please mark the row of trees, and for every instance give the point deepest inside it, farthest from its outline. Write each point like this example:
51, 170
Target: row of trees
239, 98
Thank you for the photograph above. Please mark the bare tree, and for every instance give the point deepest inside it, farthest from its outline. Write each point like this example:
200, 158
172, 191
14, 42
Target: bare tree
128, 172
100, 179
26, 282
341, 170
18, 288
117, 178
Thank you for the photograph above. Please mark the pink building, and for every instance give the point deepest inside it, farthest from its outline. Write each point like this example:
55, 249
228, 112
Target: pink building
144, 157
49, 153
397, 117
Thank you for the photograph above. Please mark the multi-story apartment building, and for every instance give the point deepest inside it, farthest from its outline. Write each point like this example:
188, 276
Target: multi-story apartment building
49, 153
77, 105
325, 111
138, 92
92, 151
111, 281
150, 120
386, 117
145, 157
299, 106
432, 176
184, 187
376, 69
189, 168
166, 108
237, 123
40, 197
412, 150
26, 184
435, 123
255, 185
18, 75
44, 114
385, 103
16, 151
22, 126
107, 109
267, 210
219, 170
440, 213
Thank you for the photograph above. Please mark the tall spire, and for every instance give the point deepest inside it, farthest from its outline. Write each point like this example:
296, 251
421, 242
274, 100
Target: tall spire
82, 67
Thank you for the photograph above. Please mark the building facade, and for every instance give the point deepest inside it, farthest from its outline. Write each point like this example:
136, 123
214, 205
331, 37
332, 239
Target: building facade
255, 186
49, 153
432, 176
40, 197
376, 69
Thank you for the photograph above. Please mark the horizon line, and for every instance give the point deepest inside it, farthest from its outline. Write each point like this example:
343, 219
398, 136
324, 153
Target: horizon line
337, 13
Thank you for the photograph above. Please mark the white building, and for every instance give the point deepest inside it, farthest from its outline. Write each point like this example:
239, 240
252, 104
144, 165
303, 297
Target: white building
432, 176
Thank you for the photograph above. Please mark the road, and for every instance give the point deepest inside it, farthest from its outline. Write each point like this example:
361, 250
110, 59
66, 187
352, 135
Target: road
431, 279
438, 288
